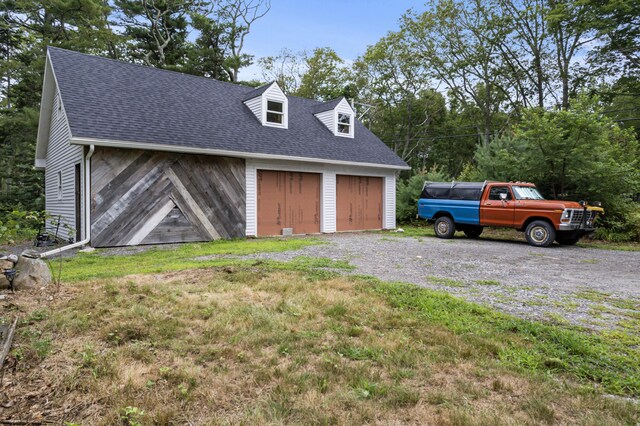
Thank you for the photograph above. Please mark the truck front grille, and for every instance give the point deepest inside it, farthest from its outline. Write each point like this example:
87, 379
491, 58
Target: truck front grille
578, 217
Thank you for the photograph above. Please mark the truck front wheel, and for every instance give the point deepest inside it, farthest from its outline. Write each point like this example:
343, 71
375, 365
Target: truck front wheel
540, 233
444, 227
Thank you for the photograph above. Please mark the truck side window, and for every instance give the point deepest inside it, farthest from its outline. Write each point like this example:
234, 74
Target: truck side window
494, 193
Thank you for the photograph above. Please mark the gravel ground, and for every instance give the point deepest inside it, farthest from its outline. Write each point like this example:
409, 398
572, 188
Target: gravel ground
599, 289
594, 288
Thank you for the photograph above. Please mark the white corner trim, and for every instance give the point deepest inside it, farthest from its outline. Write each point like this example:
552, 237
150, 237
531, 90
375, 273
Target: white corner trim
220, 152
41, 163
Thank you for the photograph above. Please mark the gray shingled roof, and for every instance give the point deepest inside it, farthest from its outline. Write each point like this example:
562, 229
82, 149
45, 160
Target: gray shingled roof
108, 99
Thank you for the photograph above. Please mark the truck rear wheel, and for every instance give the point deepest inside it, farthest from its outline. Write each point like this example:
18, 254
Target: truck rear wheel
472, 231
444, 227
540, 233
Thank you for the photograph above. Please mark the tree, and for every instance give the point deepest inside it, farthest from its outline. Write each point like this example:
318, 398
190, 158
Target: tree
236, 17
286, 68
459, 43
27, 28
569, 27
325, 76
157, 29
617, 24
570, 154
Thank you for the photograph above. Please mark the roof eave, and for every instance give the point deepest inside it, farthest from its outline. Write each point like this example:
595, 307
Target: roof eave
49, 88
208, 151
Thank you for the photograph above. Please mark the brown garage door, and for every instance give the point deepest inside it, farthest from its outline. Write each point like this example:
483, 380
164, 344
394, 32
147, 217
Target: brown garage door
358, 202
288, 200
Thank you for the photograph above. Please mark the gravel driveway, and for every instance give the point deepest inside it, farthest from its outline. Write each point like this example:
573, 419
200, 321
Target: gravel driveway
599, 289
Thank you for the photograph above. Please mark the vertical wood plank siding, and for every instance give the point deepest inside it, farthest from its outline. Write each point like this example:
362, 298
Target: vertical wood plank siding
62, 157
141, 197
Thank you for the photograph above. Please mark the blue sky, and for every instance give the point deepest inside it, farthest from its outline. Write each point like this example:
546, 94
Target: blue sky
347, 26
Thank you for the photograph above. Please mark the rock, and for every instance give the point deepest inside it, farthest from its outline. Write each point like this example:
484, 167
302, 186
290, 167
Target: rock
31, 254
87, 249
6, 264
32, 273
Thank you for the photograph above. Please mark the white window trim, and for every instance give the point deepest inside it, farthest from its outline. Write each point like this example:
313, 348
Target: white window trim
59, 188
337, 123
285, 113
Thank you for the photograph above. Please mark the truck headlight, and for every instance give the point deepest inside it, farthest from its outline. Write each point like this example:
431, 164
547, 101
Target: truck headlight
566, 216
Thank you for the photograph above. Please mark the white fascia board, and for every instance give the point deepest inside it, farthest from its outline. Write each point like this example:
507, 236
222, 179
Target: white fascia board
46, 106
220, 152
49, 89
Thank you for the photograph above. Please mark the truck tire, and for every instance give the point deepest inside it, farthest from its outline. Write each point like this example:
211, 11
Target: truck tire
568, 239
472, 231
444, 227
540, 233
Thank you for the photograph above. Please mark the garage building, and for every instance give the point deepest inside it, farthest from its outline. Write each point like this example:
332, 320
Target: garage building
137, 155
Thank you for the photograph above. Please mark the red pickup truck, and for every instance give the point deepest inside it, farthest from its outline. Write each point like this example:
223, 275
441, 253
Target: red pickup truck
470, 206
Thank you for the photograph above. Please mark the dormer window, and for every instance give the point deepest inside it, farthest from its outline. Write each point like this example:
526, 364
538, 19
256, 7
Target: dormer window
338, 116
275, 112
269, 104
344, 123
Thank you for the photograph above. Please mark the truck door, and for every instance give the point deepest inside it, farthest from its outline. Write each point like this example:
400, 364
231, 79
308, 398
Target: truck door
495, 210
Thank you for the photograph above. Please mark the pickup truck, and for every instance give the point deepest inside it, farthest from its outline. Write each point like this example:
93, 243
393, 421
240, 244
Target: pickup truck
470, 206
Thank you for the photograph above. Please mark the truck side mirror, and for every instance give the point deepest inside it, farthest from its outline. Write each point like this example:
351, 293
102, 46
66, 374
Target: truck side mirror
503, 196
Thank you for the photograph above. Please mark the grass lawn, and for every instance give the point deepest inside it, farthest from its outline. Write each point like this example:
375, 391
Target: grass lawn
241, 342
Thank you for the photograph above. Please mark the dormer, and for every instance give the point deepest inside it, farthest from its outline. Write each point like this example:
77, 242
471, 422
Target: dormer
338, 116
270, 105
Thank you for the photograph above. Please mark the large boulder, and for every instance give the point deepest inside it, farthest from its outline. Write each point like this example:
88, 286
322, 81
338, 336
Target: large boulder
33, 272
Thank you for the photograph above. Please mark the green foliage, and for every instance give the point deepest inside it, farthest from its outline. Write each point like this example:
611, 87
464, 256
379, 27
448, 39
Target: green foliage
408, 192
19, 225
326, 77
574, 155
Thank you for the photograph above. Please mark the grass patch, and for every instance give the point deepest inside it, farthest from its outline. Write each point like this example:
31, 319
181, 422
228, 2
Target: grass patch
487, 282
281, 343
185, 256
447, 282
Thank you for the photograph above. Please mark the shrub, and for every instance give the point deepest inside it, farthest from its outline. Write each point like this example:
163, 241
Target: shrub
19, 225
408, 192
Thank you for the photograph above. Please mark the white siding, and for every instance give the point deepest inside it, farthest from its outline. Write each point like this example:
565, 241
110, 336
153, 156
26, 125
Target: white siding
328, 219
328, 119
328, 196
62, 157
252, 199
255, 105
389, 210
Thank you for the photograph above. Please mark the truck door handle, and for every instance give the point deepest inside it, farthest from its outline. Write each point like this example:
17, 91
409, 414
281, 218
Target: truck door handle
488, 204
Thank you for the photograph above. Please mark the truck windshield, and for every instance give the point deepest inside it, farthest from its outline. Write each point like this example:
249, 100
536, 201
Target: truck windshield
526, 193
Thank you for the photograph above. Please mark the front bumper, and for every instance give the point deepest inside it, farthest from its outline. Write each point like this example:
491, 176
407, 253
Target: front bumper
575, 227
579, 219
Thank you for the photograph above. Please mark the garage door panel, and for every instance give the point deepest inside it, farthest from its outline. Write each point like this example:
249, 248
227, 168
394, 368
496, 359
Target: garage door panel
290, 200
271, 202
358, 202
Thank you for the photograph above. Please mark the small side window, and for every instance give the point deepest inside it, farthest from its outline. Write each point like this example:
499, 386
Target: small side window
59, 185
344, 124
494, 192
